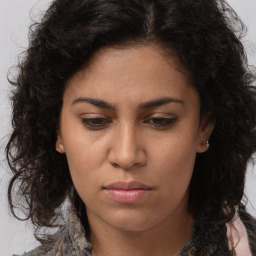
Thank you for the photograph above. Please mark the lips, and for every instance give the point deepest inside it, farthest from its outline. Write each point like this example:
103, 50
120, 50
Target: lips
127, 192
127, 185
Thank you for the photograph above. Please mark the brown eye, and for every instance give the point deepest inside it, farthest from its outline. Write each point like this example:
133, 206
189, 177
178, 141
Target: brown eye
161, 121
95, 123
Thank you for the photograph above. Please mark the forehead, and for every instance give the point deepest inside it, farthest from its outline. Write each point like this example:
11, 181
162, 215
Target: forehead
136, 73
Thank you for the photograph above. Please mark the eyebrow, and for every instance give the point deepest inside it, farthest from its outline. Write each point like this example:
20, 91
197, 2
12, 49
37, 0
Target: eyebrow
159, 102
145, 105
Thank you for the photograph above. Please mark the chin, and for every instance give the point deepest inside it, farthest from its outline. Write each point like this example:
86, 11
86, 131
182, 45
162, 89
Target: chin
132, 221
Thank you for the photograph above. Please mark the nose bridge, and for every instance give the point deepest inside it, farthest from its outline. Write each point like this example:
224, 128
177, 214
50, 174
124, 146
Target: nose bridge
126, 150
126, 141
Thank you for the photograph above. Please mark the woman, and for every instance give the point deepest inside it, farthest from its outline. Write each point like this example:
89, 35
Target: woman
140, 115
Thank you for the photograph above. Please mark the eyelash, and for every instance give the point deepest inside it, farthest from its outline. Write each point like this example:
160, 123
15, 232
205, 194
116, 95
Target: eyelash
164, 122
101, 123
93, 123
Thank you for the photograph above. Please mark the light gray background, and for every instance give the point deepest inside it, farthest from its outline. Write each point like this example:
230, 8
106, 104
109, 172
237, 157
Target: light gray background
16, 236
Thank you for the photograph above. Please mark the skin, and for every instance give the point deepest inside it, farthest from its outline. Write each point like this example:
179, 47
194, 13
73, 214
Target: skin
129, 143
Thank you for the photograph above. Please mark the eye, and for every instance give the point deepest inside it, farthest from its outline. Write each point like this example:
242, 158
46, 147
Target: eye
95, 123
161, 122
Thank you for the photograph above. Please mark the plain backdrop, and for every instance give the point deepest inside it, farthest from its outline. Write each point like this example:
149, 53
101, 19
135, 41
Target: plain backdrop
15, 17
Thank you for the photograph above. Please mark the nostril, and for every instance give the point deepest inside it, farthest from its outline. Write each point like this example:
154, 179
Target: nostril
115, 165
125, 166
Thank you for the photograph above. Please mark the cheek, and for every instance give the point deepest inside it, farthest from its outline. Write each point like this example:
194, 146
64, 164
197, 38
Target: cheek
84, 163
85, 176
174, 163
84, 150
176, 168
174, 177
177, 150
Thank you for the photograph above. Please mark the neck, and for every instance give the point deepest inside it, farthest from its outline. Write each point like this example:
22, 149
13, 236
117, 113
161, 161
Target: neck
168, 238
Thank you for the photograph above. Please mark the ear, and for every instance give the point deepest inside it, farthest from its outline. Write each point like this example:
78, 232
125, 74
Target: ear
59, 143
205, 130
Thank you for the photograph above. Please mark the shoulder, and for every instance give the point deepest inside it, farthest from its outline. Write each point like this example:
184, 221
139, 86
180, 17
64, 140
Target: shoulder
70, 240
250, 225
39, 251
49, 249
240, 232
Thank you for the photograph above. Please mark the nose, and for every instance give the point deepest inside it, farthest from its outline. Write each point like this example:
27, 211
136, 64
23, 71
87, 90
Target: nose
126, 148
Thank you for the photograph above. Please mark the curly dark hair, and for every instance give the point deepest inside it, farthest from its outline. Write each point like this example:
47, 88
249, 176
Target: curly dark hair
206, 37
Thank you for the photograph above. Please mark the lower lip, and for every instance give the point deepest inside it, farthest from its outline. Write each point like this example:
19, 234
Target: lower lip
127, 196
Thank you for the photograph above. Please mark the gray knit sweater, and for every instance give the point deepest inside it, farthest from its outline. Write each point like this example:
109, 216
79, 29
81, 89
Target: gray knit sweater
71, 241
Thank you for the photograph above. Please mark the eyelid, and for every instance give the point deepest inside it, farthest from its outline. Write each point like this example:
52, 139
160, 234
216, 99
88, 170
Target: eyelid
161, 118
161, 121
161, 115
90, 124
93, 115
98, 121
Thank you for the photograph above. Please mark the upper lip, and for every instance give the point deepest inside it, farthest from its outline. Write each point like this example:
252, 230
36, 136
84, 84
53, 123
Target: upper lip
122, 185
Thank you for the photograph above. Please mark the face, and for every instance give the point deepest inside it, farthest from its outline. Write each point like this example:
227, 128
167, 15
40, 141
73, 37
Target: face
130, 128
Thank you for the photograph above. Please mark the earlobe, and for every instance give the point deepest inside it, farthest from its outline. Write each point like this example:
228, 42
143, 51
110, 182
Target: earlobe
59, 144
206, 129
203, 146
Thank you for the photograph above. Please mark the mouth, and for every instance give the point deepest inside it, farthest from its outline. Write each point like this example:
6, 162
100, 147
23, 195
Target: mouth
127, 192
